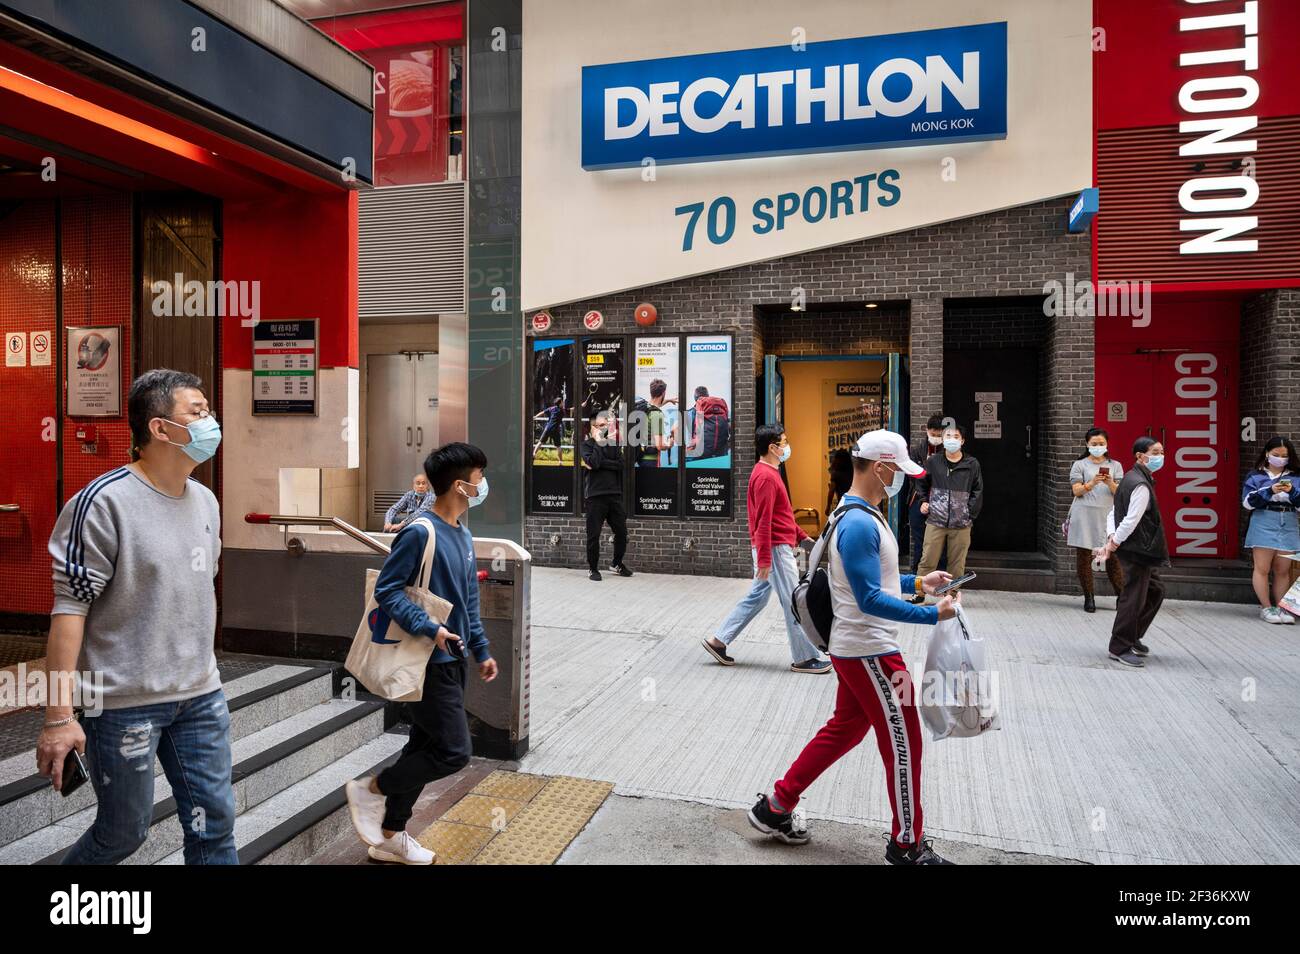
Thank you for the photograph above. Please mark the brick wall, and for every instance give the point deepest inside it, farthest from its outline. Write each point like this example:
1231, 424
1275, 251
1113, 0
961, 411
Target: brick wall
1007, 253
1270, 372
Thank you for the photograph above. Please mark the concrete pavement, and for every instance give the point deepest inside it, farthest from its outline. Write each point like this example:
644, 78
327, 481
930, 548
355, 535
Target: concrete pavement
1193, 760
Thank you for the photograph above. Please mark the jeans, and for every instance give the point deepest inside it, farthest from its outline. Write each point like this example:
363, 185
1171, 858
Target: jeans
191, 739
783, 578
439, 745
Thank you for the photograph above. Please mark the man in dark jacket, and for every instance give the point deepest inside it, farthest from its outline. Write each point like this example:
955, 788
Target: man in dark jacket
602, 489
920, 453
1137, 538
952, 493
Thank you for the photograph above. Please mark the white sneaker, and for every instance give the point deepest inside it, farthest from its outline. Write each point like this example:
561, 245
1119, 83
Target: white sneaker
1284, 617
367, 811
401, 849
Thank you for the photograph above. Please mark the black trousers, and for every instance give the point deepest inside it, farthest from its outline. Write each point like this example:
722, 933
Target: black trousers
602, 509
1137, 605
439, 745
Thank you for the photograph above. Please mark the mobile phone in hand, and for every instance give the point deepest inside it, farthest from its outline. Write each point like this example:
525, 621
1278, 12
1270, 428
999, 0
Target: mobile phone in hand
953, 584
1103, 472
455, 646
75, 773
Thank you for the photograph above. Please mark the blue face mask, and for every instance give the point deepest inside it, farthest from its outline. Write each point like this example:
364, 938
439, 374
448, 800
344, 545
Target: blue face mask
951, 445
785, 453
1155, 462
1096, 451
482, 488
205, 436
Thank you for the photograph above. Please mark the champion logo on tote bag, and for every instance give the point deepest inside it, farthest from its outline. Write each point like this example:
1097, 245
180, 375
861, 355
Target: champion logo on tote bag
389, 661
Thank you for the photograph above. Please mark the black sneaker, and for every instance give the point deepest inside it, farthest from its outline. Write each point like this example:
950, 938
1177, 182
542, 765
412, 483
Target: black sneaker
1141, 649
1129, 658
918, 599
620, 569
595, 575
719, 654
813, 665
922, 854
783, 826
1089, 604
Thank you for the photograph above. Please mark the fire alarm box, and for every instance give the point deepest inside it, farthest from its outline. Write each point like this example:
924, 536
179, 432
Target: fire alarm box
87, 433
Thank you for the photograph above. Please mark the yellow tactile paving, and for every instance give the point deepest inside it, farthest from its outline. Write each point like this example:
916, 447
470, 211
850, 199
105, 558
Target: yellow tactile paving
542, 815
483, 811
455, 844
516, 786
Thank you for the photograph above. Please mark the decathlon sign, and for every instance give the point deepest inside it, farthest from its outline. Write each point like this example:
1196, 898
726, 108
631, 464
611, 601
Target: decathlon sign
905, 89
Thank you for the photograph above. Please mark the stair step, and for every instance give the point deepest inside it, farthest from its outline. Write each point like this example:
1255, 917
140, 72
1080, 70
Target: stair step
294, 824
257, 700
265, 763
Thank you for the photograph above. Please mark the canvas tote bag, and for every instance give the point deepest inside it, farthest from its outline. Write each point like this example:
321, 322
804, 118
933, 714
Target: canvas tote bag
389, 661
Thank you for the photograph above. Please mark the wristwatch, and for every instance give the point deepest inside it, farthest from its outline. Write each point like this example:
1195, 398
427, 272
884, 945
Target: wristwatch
920, 585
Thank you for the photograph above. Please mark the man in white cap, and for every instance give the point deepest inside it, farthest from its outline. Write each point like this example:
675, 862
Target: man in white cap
875, 688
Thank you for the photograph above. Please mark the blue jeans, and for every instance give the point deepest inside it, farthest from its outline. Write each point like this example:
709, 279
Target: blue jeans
784, 576
192, 741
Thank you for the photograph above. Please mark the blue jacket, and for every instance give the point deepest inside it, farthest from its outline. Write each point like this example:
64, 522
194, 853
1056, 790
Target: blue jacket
454, 577
1256, 493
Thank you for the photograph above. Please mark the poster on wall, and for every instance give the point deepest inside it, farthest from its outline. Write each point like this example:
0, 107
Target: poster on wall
602, 382
655, 426
551, 426
708, 425
284, 367
95, 371
850, 409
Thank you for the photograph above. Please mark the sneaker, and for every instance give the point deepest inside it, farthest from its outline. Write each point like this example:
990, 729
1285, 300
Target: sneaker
1089, 603
595, 575
719, 654
401, 849
813, 665
917, 599
922, 854
1272, 614
789, 827
1285, 618
367, 811
620, 569
1129, 658
1141, 649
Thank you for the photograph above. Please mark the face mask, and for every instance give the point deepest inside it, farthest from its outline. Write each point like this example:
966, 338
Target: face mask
951, 445
934, 441
785, 453
205, 435
1155, 462
482, 488
1277, 463
1096, 451
895, 485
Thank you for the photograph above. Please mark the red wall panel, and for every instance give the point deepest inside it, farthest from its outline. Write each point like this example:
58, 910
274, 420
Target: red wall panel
28, 451
303, 251
97, 282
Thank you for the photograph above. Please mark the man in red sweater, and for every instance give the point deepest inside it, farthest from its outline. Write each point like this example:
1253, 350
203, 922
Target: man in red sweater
773, 535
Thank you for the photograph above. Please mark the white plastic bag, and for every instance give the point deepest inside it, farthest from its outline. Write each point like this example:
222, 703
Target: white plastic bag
959, 693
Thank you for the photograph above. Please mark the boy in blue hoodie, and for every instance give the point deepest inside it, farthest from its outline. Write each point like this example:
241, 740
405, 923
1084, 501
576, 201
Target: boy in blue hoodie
440, 743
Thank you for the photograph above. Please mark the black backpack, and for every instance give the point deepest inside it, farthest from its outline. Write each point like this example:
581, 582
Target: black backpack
811, 600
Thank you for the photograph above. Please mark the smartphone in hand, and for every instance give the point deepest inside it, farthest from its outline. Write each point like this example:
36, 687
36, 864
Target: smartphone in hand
75, 773
954, 584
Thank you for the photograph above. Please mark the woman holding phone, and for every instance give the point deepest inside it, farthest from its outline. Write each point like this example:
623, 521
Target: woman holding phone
1272, 495
1094, 478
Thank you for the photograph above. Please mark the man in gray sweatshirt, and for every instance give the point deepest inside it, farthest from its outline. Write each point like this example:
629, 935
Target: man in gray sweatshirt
134, 558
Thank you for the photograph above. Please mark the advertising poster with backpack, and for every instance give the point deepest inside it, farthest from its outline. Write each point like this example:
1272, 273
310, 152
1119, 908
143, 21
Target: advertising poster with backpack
708, 425
551, 432
655, 426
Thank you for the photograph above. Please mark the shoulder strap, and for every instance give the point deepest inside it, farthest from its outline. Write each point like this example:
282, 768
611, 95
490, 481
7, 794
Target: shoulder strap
819, 554
430, 547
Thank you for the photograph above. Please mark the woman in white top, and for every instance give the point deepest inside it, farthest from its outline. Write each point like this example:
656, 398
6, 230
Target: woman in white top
1094, 478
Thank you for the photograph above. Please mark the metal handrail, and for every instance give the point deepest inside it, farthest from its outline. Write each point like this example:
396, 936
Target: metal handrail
302, 520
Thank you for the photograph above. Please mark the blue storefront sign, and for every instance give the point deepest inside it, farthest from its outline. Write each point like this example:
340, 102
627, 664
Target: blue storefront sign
1083, 210
904, 89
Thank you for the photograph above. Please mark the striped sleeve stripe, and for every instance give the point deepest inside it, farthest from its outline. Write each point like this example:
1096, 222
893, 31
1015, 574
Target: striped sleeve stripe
75, 551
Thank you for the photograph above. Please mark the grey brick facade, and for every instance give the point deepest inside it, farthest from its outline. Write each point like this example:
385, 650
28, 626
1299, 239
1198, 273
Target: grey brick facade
921, 277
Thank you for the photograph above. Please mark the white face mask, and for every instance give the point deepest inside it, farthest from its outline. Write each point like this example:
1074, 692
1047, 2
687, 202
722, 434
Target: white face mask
934, 441
482, 488
785, 453
894, 486
1097, 450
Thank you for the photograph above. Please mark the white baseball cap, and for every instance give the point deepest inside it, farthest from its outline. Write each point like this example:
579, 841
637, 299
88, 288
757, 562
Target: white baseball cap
889, 447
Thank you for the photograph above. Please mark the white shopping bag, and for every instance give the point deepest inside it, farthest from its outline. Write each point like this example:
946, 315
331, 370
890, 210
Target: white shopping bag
389, 661
958, 691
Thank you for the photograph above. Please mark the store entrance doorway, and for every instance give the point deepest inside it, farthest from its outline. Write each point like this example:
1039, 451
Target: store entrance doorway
826, 402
